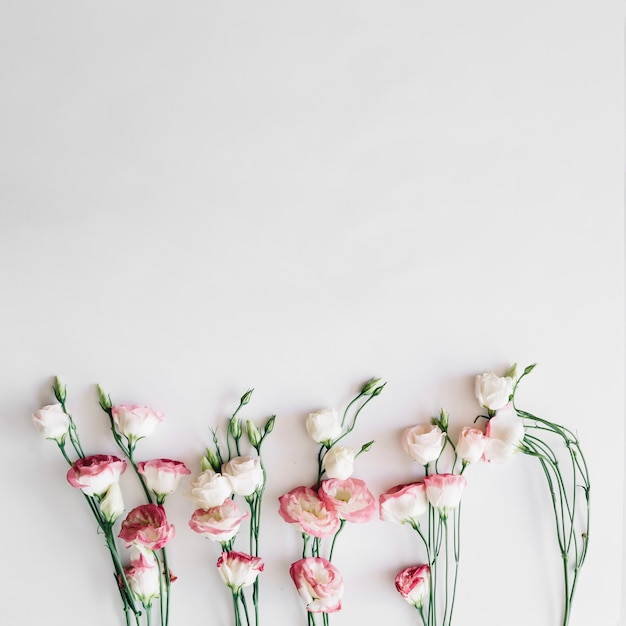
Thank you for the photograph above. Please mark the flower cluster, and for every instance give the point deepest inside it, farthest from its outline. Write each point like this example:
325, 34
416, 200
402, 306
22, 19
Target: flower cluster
145, 530
321, 511
226, 474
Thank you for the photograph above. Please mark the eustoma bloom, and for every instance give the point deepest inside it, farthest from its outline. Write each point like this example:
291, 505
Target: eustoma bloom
239, 570
338, 462
244, 473
135, 421
404, 504
220, 523
350, 499
304, 507
147, 526
319, 584
444, 491
209, 489
413, 584
492, 391
162, 476
95, 474
144, 577
471, 444
52, 422
323, 425
505, 434
423, 442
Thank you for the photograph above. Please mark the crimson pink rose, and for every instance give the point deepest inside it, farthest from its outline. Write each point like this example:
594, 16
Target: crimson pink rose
350, 499
219, 523
95, 474
319, 584
413, 583
304, 507
162, 475
147, 526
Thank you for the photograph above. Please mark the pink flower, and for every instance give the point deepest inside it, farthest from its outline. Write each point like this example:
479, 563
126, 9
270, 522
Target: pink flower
52, 422
350, 499
444, 491
505, 434
238, 569
319, 584
95, 474
471, 444
143, 577
413, 583
134, 421
162, 475
147, 526
404, 504
304, 507
423, 442
220, 523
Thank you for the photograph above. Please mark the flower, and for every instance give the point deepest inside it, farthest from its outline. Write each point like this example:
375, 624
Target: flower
413, 584
339, 462
95, 474
404, 504
505, 434
471, 444
444, 491
147, 525
134, 421
423, 442
219, 523
245, 474
52, 422
304, 507
162, 475
350, 499
238, 569
323, 426
209, 489
112, 504
319, 584
493, 391
143, 577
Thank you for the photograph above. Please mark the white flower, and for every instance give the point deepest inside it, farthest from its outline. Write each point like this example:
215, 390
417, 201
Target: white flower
144, 579
493, 391
505, 434
471, 444
134, 421
209, 489
112, 504
52, 422
245, 474
339, 462
324, 425
423, 442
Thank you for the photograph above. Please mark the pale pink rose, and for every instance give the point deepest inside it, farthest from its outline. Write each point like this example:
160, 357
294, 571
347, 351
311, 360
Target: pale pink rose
304, 507
413, 583
493, 391
238, 569
324, 425
220, 523
162, 475
423, 442
245, 474
147, 525
471, 444
112, 504
338, 462
505, 435
319, 584
52, 422
95, 474
143, 577
209, 489
135, 421
444, 491
404, 504
350, 499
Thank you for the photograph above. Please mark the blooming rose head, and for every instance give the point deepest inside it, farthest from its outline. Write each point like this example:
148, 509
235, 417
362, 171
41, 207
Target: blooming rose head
423, 443
238, 569
444, 491
304, 507
209, 489
471, 444
220, 523
112, 504
245, 474
144, 579
338, 462
413, 583
319, 584
404, 504
162, 475
323, 426
95, 474
493, 391
52, 422
147, 526
134, 421
505, 435
350, 499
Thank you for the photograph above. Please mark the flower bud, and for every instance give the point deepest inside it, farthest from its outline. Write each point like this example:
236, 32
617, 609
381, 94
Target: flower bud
246, 397
105, 399
235, 427
366, 447
269, 425
210, 460
369, 386
112, 504
60, 390
254, 434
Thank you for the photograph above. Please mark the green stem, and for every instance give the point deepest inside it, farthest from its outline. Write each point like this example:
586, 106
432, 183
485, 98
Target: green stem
332, 546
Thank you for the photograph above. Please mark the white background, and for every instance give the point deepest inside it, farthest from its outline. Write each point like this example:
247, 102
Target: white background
201, 197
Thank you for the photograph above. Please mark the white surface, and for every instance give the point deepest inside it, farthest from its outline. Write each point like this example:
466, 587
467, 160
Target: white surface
204, 197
